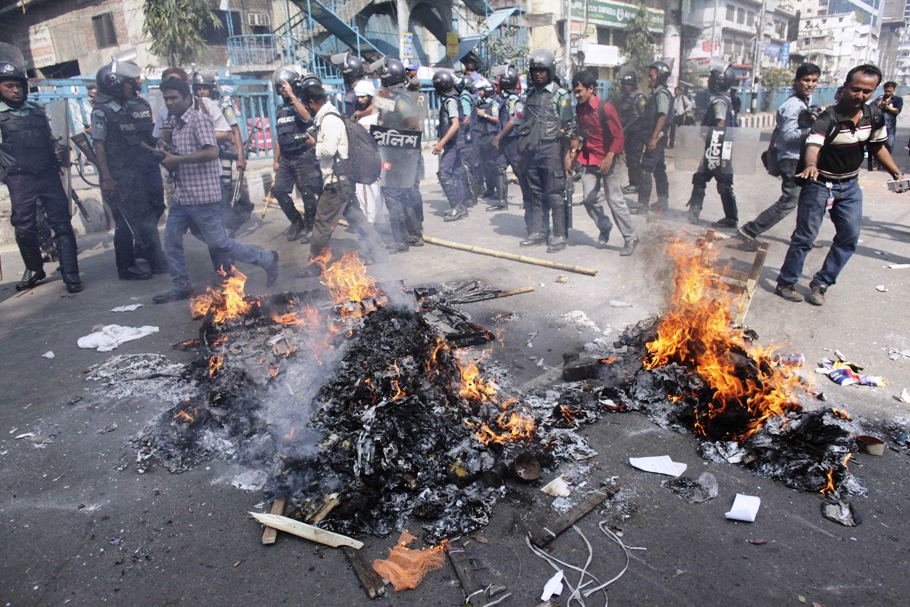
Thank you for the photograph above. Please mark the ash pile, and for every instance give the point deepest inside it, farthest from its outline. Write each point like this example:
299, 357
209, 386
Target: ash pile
691, 369
366, 414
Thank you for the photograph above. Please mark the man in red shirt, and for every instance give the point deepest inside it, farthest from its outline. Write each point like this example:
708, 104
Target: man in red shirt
603, 162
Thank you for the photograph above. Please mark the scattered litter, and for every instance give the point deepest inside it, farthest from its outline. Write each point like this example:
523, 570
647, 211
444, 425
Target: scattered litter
615, 303
562, 278
841, 512
530, 342
745, 508
552, 587
540, 362
111, 336
894, 353
26, 435
905, 395
558, 487
309, 532
48, 354
871, 445
694, 491
406, 568
129, 308
480, 538
897, 266
881, 288
789, 360
580, 320
758, 542
846, 373
108, 428
250, 480
661, 464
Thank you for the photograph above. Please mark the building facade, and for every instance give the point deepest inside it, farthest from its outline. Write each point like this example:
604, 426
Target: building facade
836, 43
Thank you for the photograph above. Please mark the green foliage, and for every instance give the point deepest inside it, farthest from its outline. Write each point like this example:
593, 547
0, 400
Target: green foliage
637, 49
175, 28
773, 78
502, 48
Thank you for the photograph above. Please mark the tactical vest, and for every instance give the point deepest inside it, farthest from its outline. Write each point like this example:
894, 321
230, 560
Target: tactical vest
141, 112
543, 125
468, 129
711, 119
629, 109
505, 114
26, 143
445, 121
121, 138
350, 101
486, 130
650, 113
291, 130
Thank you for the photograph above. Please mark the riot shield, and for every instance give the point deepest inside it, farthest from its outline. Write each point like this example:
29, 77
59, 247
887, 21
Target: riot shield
11, 54
58, 112
398, 134
732, 150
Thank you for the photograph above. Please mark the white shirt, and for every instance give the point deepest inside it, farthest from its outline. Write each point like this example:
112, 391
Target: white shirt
331, 141
212, 111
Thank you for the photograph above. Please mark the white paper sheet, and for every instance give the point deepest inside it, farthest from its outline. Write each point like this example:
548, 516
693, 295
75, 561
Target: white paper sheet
129, 308
552, 587
745, 508
661, 464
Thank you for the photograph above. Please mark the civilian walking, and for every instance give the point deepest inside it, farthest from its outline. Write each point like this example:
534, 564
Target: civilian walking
197, 195
682, 108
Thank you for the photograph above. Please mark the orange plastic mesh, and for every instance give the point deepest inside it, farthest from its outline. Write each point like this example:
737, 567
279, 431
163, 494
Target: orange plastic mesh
406, 568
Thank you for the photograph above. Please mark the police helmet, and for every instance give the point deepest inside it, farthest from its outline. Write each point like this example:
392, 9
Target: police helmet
459, 82
351, 66
289, 75
720, 81
484, 85
207, 80
308, 79
9, 71
110, 82
443, 81
393, 73
629, 79
542, 59
663, 71
508, 77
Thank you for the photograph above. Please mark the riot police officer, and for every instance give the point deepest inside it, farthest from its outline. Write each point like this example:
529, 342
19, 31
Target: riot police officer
465, 87
122, 148
29, 162
655, 128
449, 145
545, 126
506, 140
719, 117
487, 127
351, 67
295, 161
631, 108
401, 155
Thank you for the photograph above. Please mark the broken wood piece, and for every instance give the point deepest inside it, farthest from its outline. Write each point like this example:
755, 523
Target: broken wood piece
464, 571
370, 581
270, 535
331, 500
547, 534
511, 292
309, 532
503, 255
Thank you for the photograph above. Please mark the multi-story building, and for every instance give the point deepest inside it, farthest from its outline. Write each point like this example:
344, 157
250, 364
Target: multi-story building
895, 41
838, 42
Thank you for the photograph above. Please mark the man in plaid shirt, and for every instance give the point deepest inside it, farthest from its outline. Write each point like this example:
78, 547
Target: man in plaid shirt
197, 195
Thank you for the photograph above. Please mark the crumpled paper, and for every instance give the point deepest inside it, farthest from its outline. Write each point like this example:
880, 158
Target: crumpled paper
111, 336
845, 374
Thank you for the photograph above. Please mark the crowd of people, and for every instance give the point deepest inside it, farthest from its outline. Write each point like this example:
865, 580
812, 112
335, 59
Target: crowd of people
486, 125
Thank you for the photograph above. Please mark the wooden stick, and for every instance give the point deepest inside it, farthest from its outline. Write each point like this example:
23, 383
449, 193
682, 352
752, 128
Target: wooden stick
269, 199
511, 292
503, 255
369, 579
464, 571
309, 532
551, 532
270, 535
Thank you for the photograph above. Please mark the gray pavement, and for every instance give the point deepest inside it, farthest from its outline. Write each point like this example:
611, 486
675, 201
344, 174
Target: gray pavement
79, 526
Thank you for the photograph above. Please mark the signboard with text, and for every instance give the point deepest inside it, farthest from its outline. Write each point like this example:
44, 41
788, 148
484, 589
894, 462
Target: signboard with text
614, 14
451, 44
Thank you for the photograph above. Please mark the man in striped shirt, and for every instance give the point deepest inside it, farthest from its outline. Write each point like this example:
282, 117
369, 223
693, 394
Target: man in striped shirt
829, 166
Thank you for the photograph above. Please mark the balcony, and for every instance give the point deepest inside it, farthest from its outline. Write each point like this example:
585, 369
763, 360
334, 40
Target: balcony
262, 52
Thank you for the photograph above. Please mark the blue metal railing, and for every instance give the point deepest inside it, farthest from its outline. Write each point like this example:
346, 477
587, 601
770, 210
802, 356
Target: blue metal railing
263, 49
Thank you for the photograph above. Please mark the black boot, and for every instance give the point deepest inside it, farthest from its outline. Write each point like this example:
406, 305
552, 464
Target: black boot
69, 263
30, 279
557, 241
502, 192
30, 250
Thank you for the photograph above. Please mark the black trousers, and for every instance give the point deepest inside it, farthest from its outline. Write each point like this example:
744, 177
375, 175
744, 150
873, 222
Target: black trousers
25, 189
303, 171
546, 178
135, 210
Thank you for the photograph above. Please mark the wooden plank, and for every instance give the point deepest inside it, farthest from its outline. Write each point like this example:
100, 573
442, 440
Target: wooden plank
736, 275
547, 534
464, 571
270, 535
369, 579
309, 532
749, 292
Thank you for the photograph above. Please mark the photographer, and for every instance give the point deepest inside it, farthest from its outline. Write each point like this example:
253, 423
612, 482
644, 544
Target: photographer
794, 118
890, 105
197, 195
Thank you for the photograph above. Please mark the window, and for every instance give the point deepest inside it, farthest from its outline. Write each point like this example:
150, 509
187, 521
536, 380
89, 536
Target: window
740, 15
731, 13
219, 35
750, 18
738, 47
105, 34
728, 46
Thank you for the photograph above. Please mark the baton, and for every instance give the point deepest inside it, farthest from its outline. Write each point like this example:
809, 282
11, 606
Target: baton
119, 202
237, 185
79, 206
266, 202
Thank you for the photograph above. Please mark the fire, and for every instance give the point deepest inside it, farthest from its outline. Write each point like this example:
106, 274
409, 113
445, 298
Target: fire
515, 427
841, 413
215, 363
696, 333
185, 417
830, 484
474, 387
608, 361
348, 281
226, 304
568, 414
308, 318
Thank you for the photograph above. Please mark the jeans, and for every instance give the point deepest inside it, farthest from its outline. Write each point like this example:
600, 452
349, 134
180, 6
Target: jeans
598, 188
789, 196
207, 218
847, 216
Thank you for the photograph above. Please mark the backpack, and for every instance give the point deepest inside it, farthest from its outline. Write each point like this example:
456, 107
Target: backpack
769, 156
876, 117
363, 164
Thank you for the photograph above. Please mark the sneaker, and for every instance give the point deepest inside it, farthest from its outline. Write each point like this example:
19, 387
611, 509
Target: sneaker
271, 270
726, 222
306, 237
533, 240
603, 239
630, 189
627, 250
817, 296
747, 242
788, 293
173, 295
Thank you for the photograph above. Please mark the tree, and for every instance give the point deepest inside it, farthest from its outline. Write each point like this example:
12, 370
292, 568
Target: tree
638, 49
175, 28
774, 78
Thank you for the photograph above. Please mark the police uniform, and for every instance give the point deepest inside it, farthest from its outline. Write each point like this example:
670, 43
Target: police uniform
630, 109
652, 161
405, 205
469, 155
486, 130
29, 169
507, 152
297, 165
545, 120
451, 170
141, 112
114, 125
713, 166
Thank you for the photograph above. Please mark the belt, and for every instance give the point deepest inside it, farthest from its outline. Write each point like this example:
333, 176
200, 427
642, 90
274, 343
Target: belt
824, 180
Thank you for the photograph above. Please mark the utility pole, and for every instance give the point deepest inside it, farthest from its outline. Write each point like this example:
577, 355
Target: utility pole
759, 49
714, 26
568, 51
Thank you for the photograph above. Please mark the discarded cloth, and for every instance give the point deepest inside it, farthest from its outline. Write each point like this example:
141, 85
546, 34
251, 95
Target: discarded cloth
111, 336
129, 308
845, 373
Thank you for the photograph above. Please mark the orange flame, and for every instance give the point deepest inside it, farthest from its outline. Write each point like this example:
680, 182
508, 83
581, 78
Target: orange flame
215, 363
225, 304
696, 333
308, 318
841, 413
185, 417
829, 486
474, 387
348, 281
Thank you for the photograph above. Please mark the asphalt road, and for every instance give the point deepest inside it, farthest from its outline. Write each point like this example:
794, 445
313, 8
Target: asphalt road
80, 526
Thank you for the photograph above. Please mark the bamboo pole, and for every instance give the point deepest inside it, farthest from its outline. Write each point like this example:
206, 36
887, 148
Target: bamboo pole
305, 531
503, 255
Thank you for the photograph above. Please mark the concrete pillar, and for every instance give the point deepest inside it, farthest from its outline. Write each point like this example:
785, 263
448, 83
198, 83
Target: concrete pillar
404, 18
672, 43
